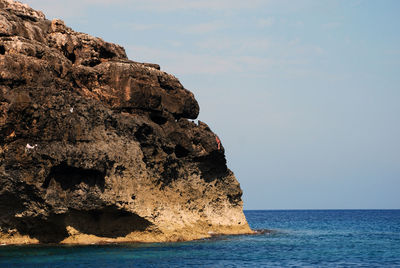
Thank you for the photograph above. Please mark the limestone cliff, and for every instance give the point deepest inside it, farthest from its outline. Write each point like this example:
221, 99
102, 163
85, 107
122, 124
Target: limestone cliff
95, 147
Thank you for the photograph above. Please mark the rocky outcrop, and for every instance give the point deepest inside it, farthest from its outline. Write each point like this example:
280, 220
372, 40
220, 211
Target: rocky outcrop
95, 147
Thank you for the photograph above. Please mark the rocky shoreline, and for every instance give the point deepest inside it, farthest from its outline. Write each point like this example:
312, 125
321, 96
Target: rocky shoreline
97, 148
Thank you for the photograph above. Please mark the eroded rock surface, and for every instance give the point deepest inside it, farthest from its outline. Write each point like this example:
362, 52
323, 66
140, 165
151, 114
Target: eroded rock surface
96, 147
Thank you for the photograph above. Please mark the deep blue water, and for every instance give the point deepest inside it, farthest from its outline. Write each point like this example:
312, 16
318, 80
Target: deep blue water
311, 238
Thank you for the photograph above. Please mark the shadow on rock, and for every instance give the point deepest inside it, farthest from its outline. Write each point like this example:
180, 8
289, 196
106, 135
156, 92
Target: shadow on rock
109, 222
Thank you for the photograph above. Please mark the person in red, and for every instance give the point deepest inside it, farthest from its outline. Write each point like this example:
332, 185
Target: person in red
218, 142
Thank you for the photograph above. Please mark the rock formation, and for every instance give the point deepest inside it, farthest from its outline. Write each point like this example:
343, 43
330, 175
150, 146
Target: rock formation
95, 147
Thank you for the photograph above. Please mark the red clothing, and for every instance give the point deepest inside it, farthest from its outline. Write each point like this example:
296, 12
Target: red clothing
218, 142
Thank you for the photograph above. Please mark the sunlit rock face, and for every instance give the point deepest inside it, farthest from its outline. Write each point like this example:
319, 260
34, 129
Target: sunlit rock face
95, 147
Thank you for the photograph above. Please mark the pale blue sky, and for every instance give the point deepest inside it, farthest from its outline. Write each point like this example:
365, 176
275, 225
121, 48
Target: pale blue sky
305, 94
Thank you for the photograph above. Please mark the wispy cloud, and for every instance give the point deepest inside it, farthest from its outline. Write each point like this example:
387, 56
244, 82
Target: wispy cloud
144, 27
217, 44
319, 50
194, 28
181, 63
331, 25
356, 3
299, 24
235, 45
202, 28
392, 52
163, 5
266, 22
294, 42
71, 7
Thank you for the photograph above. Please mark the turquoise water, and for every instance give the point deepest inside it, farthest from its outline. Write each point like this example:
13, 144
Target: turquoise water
311, 238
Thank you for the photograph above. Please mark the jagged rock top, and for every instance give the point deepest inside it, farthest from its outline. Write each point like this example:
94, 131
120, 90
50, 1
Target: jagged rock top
22, 10
88, 63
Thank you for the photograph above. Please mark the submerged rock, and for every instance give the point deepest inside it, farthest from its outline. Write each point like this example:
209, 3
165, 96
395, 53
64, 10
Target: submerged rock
95, 147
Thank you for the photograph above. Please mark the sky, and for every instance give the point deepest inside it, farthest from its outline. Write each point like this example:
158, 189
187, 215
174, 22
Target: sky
304, 95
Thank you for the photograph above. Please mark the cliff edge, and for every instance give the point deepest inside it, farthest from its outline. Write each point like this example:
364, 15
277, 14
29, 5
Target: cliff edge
95, 147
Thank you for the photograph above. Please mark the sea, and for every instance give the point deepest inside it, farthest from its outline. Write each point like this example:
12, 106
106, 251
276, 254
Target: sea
295, 238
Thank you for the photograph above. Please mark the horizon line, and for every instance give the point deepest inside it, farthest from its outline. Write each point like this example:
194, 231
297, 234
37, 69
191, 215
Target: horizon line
292, 209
